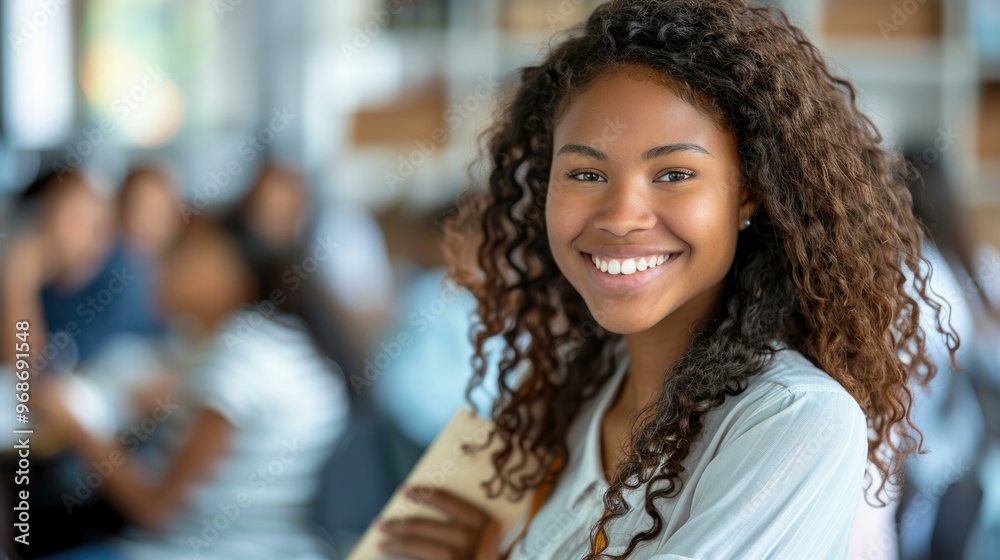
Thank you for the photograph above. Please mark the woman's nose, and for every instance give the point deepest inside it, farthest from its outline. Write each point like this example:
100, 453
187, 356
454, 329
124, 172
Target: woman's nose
626, 206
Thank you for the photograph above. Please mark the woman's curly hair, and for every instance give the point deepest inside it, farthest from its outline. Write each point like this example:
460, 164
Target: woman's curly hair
826, 269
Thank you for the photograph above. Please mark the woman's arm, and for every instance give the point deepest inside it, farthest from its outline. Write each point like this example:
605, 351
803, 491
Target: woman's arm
141, 500
21, 276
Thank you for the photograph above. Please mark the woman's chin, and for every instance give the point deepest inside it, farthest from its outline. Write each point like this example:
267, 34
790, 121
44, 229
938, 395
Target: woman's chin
621, 324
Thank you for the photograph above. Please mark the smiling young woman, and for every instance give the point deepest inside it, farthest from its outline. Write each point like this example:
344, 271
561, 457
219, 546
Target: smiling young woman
709, 332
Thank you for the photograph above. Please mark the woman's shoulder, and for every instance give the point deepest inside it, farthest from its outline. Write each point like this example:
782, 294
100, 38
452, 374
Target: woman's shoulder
792, 393
258, 330
257, 344
793, 372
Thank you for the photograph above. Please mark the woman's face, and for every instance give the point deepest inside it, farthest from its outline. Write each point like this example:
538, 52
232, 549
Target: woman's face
651, 186
79, 227
276, 209
203, 275
151, 217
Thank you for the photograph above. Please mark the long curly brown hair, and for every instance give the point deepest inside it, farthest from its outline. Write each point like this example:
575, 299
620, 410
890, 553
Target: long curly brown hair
824, 269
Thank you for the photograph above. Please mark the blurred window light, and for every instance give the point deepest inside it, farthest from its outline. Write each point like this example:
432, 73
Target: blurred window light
986, 24
137, 64
38, 72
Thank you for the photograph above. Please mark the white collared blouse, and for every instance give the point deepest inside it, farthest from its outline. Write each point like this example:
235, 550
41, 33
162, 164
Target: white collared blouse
778, 473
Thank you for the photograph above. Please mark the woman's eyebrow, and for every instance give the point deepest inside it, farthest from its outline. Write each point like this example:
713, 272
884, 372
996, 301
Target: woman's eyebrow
583, 151
651, 153
676, 147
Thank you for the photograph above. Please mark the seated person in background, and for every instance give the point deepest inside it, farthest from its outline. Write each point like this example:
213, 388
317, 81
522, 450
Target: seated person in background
343, 242
260, 411
61, 235
277, 205
121, 298
420, 383
51, 264
148, 214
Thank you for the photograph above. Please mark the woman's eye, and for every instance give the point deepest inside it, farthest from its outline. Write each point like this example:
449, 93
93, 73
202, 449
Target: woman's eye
674, 176
585, 176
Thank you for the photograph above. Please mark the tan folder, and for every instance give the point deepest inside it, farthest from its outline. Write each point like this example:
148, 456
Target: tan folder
444, 465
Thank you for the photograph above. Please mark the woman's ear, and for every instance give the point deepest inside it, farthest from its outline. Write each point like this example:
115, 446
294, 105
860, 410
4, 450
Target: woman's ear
750, 201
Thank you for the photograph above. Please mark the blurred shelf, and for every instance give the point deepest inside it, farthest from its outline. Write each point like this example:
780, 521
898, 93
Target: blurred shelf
989, 70
884, 19
989, 121
906, 61
988, 187
916, 75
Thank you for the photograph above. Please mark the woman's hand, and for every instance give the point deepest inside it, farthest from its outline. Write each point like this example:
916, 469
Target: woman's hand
26, 258
470, 534
56, 425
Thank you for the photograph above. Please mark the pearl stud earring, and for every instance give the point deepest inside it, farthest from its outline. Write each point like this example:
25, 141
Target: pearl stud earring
746, 222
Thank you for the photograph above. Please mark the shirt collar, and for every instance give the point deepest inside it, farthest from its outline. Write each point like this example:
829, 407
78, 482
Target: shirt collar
590, 473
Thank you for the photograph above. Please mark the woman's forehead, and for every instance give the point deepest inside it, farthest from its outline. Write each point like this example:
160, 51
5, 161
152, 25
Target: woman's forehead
624, 118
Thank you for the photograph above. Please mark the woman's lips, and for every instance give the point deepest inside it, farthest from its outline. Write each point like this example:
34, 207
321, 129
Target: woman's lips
604, 270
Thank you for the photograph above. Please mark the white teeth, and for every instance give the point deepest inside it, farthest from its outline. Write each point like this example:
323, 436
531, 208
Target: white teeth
628, 266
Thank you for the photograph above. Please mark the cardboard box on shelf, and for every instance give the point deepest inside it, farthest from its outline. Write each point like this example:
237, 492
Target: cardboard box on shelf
883, 18
989, 121
544, 17
985, 223
402, 121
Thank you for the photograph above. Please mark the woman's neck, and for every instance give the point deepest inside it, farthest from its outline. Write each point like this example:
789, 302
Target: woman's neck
653, 352
213, 320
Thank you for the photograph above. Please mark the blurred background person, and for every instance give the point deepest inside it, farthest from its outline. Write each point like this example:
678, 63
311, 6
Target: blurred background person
345, 242
429, 333
53, 273
53, 264
277, 205
134, 369
949, 508
259, 415
99, 314
147, 209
